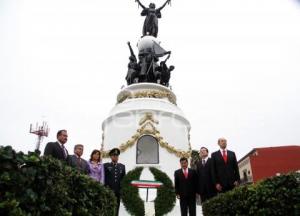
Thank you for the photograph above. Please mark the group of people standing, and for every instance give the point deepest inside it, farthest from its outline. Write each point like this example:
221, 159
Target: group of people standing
109, 174
214, 175
211, 176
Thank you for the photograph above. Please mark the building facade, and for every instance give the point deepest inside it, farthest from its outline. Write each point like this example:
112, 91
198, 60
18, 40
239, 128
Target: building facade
261, 163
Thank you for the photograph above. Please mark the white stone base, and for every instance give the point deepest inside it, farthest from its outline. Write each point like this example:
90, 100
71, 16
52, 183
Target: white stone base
149, 209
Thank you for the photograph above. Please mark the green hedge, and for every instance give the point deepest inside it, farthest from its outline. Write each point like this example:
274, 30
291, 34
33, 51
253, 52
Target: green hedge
274, 196
34, 185
166, 197
130, 195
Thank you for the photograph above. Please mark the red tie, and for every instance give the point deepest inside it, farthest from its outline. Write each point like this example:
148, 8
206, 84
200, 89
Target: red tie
225, 156
185, 173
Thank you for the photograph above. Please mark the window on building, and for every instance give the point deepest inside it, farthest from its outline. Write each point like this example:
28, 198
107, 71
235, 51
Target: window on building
245, 176
147, 151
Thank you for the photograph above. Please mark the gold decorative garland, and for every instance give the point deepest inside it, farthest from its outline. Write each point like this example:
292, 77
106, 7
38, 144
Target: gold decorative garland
148, 117
146, 94
149, 129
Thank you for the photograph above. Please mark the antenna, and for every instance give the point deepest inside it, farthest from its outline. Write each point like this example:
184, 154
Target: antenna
41, 131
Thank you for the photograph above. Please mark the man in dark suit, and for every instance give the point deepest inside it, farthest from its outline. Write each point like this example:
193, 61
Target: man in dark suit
206, 189
57, 149
76, 161
225, 171
114, 173
186, 188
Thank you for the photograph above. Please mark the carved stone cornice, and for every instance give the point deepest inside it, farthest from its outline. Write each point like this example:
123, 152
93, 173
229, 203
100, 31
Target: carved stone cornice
146, 94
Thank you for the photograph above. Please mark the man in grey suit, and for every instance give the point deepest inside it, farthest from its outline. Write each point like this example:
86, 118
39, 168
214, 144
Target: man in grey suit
57, 149
76, 161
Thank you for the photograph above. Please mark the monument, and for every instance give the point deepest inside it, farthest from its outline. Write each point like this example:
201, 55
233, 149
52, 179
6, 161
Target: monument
146, 124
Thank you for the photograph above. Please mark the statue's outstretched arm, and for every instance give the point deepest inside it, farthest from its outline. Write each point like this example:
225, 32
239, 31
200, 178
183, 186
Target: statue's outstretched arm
131, 51
140, 4
164, 5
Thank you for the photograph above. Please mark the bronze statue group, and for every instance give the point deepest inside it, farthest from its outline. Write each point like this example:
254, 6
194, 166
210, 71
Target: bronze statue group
148, 67
214, 175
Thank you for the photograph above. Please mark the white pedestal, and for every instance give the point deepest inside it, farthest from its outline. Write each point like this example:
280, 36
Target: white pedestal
147, 109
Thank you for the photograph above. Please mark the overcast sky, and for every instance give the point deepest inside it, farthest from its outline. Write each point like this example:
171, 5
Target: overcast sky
237, 68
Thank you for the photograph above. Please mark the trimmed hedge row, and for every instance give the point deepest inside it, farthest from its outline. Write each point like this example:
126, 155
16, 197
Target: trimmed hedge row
274, 196
34, 185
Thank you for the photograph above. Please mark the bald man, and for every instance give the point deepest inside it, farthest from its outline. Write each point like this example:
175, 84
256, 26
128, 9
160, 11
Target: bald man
225, 171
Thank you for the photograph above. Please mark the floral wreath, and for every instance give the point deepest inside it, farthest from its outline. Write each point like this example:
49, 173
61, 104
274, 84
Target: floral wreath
164, 201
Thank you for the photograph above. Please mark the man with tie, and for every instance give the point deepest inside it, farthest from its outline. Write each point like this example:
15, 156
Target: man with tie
114, 173
57, 149
76, 161
186, 188
205, 188
225, 171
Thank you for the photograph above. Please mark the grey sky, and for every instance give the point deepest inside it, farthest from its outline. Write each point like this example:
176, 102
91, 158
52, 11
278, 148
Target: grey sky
237, 68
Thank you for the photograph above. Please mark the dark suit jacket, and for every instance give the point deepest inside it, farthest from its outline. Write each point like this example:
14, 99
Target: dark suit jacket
206, 188
55, 150
185, 187
80, 165
114, 174
225, 173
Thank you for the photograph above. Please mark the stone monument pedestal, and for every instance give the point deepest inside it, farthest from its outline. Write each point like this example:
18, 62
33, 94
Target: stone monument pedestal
150, 130
148, 127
